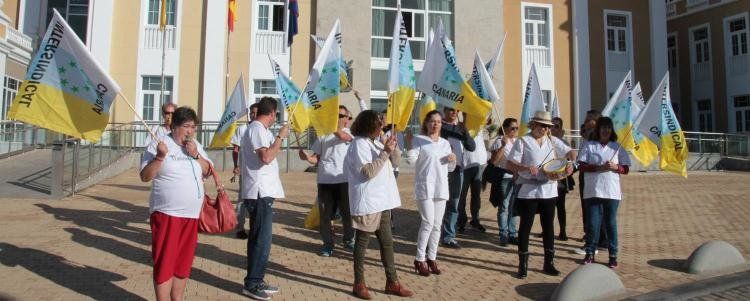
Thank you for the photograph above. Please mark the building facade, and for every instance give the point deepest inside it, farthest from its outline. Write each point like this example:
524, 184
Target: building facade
15, 52
708, 56
582, 48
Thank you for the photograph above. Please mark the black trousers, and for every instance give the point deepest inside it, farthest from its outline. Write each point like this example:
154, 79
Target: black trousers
561, 218
527, 209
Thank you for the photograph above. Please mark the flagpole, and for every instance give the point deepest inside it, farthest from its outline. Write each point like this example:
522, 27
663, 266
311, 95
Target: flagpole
137, 115
163, 58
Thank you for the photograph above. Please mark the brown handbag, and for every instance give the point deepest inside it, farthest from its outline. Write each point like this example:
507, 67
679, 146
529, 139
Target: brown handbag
217, 216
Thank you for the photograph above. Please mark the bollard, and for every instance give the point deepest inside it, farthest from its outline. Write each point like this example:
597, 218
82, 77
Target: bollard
714, 256
589, 282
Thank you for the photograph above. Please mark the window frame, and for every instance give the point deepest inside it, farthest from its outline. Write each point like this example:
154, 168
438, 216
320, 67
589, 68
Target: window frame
730, 35
171, 14
536, 25
147, 87
426, 12
270, 18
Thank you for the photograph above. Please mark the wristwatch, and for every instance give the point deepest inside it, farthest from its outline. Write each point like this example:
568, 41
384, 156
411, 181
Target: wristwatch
198, 155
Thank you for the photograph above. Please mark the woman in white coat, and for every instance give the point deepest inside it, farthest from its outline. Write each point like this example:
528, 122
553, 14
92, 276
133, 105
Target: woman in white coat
434, 159
372, 195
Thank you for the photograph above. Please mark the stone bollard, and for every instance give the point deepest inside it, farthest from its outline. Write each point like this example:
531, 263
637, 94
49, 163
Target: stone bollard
713, 256
589, 282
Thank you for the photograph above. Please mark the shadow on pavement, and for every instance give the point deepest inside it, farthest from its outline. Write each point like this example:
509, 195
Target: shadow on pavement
119, 224
676, 265
89, 281
536, 291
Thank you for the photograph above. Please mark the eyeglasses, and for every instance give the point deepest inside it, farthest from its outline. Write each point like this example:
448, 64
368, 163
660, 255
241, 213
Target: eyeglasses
342, 116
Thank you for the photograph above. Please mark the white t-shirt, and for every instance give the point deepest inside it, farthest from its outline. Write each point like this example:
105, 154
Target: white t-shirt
602, 184
431, 168
238, 133
497, 144
160, 131
368, 196
177, 190
478, 156
526, 151
331, 152
258, 179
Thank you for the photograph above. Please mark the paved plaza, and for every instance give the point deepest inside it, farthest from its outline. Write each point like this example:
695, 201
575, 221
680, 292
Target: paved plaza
96, 244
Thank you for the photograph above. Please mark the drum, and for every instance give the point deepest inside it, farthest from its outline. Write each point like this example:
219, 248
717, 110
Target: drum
555, 169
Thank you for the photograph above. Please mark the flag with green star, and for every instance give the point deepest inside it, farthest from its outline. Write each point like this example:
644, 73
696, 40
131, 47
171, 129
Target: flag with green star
482, 84
442, 80
322, 90
296, 107
401, 78
65, 89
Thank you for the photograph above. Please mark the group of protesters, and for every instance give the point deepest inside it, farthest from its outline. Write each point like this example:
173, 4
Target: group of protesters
357, 168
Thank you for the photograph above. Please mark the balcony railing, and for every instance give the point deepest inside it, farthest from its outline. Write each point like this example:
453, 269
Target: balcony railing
701, 71
739, 64
152, 37
271, 42
17, 38
540, 56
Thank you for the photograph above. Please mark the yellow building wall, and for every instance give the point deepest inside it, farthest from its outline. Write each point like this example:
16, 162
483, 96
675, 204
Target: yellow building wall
513, 58
303, 53
641, 46
240, 48
10, 8
124, 62
190, 75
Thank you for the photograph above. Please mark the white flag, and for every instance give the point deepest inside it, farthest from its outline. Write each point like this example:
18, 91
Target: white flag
621, 94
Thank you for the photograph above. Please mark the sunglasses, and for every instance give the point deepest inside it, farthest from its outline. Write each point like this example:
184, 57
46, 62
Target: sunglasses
168, 113
342, 116
556, 126
515, 128
546, 126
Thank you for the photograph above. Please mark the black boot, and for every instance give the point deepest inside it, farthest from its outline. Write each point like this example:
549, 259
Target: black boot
523, 264
549, 266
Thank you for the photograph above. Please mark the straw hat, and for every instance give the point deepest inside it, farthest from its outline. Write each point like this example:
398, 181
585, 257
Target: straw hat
542, 117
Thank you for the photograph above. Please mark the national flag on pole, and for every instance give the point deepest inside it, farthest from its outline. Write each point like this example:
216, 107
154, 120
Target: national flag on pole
293, 27
441, 79
295, 105
163, 15
344, 81
644, 150
482, 84
490, 66
401, 78
235, 108
323, 87
231, 15
533, 100
659, 123
65, 89
555, 107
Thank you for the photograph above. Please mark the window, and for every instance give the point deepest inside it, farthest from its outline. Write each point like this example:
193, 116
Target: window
617, 27
547, 98
75, 12
151, 89
742, 113
536, 26
414, 14
738, 36
378, 104
154, 12
672, 52
271, 15
10, 88
267, 87
705, 115
700, 44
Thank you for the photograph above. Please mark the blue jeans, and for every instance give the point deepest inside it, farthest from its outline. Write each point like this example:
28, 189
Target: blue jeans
506, 221
455, 178
602, 211
259, 240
